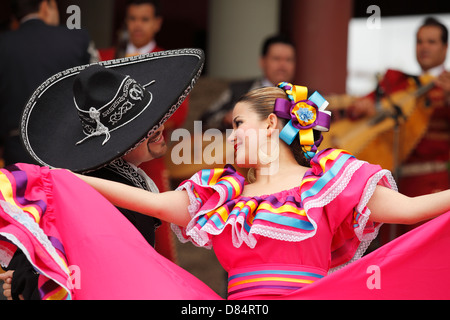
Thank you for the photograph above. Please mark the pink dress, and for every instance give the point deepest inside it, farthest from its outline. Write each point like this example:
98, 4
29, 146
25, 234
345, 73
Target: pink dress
303, 243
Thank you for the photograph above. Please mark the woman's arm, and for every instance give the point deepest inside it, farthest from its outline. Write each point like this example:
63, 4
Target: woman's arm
389, 206
171, 206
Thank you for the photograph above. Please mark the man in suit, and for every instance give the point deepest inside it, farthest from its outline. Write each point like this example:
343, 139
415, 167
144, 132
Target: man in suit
28, 56
143, 21
277, 63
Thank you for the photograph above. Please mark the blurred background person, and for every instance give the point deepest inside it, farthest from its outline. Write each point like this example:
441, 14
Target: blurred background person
143, 20
277, 64
38, 49
427, 168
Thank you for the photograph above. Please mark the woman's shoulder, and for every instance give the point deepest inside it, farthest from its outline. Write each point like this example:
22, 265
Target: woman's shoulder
327, 161
330, 156
331, 172
327, 166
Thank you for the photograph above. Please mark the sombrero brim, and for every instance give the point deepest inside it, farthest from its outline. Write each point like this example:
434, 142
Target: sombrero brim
51, 127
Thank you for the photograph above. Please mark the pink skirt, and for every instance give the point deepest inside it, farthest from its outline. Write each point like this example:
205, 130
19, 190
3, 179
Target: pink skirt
83, 248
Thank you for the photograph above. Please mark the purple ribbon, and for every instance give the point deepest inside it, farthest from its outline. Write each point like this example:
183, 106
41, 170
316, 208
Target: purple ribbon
283, 109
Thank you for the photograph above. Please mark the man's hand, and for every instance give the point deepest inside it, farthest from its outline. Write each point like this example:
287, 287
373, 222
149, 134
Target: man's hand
443, 82
6, 277
363, 107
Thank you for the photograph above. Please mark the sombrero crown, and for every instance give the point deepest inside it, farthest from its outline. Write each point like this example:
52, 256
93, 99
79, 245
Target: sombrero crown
107, 100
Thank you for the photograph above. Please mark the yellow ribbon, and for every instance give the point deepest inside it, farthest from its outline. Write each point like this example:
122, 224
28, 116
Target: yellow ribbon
299, 93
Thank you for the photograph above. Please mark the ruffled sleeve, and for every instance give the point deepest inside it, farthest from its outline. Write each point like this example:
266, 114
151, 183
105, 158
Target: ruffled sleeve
340, 186
208, 190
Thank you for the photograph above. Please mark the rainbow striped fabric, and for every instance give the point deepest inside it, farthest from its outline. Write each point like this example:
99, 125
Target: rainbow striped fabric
23, 208
273, 279
216, 202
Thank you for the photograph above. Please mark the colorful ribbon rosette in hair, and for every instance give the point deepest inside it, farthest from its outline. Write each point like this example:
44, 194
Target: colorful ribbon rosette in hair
304, 115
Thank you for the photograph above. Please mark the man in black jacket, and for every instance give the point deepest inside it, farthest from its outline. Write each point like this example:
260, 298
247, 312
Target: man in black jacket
38, 49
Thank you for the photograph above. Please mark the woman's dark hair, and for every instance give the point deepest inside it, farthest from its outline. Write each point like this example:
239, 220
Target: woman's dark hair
262, 101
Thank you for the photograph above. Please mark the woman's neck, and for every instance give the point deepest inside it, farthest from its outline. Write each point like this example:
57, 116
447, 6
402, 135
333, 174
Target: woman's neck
283, 165
282, 169
273, 178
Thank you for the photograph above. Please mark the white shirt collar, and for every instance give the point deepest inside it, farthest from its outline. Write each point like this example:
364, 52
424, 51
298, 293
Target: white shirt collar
436, 71
132, 50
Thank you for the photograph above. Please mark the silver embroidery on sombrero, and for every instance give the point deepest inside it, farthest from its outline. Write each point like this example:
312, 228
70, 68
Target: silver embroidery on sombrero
118, 106
101, 128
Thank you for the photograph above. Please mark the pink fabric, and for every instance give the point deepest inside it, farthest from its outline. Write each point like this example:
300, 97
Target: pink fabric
113, 260
413, 266
333, 194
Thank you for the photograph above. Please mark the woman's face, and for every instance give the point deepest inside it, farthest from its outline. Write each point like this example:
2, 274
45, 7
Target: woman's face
247, 136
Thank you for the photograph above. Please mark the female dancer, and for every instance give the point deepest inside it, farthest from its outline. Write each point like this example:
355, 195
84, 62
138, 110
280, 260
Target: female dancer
287, 235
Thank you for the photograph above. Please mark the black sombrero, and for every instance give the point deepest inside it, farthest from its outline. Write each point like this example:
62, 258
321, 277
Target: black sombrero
85, 117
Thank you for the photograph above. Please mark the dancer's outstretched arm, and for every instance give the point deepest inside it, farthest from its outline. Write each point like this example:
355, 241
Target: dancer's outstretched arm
170, 206
389, 206
386, 205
